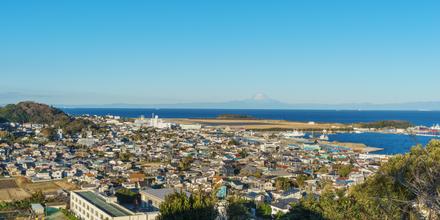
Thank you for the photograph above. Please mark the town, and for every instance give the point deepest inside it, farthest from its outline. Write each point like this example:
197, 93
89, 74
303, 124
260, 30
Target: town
126, 168
219, 110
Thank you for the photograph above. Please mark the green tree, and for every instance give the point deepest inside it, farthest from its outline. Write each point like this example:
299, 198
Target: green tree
301, 180
345, 170
126, 196
179, 206
238, 209
233, 141
125, 156
49, 133
185, 163
406, 187
264, 211
69, 215
323, 170
282, 183
25, 204
243, 153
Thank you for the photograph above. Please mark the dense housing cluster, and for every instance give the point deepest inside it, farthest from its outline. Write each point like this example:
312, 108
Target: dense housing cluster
138, 156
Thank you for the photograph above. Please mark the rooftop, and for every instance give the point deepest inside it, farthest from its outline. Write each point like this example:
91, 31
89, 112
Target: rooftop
37, 206
162, 193
98, 201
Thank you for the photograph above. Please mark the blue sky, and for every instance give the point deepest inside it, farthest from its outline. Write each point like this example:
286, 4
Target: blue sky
97, 52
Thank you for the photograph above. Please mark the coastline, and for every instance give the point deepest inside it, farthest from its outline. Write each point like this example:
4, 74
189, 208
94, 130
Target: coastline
262, 124
357, 147
279, 125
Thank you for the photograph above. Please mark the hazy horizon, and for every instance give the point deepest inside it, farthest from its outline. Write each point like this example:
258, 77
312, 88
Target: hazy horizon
262, 102
158, 53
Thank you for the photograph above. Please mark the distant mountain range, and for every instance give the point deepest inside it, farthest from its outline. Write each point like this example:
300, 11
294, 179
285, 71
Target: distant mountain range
261, 101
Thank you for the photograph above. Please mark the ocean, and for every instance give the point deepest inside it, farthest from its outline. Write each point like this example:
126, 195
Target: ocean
392, 143
427, 118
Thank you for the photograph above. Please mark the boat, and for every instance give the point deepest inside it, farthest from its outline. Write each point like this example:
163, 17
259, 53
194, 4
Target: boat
294, 134
323, 137
427, 135
436, 127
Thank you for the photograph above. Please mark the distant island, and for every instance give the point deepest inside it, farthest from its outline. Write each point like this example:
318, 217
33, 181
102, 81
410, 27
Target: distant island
398, 124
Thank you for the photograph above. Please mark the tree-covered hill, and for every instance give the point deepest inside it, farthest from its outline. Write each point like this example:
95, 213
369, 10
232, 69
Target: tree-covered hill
31, 112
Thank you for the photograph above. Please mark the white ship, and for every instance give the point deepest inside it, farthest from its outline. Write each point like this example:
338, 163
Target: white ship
436, 127
323, 137
294, 134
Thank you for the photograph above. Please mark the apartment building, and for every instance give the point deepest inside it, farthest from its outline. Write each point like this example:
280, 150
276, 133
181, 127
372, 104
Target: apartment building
88, 205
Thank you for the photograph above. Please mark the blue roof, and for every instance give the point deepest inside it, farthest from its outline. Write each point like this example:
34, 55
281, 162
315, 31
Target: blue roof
222, 192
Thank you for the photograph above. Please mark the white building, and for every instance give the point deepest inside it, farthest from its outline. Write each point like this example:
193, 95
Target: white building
191, 126
140, 122
154, 122
158, 123
88, 205
89, 142
44, 175
58, 174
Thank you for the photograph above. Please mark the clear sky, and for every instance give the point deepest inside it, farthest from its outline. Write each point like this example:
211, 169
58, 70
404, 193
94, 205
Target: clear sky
296, 51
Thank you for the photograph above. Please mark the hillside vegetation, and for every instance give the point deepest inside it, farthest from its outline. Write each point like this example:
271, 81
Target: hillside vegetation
386, 124
31, 112
406, 187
